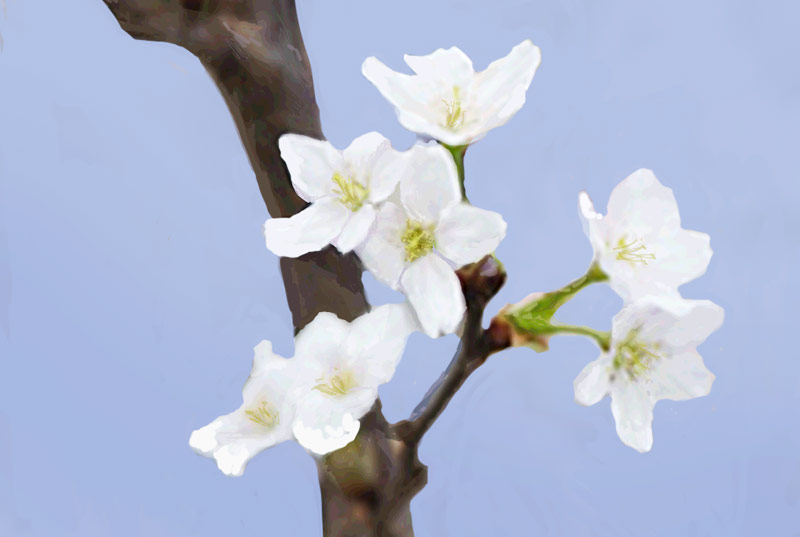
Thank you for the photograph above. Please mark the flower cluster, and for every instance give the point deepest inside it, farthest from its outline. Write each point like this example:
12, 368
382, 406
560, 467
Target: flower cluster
317, 396
404, 215
645, 255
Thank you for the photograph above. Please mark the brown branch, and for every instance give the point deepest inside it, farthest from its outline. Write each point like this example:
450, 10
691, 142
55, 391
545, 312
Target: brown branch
254, 51
480, 282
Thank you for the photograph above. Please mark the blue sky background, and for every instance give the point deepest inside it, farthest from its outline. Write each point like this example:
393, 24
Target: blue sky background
134, 280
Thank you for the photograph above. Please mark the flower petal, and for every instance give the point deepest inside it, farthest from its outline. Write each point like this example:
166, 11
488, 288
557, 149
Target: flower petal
633, 414
592, 223
433, 289
311, 165
641, 205
465, 233
326, 423
362, 152
386, 173
310, 230
499, 92
446, 67
592, 384
412, 96
377, 339
230, 441
356, 229
429, 183
320, 339
682, 376
383, 254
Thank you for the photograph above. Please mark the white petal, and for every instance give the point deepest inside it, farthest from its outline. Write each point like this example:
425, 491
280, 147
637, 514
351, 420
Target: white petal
233, 439
383, 253
681, 376
411, 96
310, 230
642, 205
362, 153
633, 413
465, 233
672, 321
356, 229
311, 165
377, 339
592, 223
448, 67
592, 383
429, 183
326, 423
264, 359
499, 91
386, 173
692, 325
434, 290
320, 339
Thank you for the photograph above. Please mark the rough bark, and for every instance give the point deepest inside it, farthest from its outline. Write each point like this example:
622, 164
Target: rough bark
253, 49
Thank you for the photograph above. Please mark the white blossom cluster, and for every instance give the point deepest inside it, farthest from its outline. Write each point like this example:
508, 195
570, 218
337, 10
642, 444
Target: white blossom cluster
403, 213
640, 245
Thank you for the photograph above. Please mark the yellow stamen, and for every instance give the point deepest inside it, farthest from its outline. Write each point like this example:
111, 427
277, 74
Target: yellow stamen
633, 251
338, 385
264, 414
455, 113
634, 356
351, 193
418, 240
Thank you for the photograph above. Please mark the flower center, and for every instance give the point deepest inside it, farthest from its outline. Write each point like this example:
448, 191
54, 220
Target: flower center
338, 385
264, 414
633, 251
454, 115
417, 239
634, 356
351, 193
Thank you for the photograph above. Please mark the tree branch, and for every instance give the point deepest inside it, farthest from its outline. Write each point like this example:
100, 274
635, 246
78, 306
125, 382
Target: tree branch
480, 282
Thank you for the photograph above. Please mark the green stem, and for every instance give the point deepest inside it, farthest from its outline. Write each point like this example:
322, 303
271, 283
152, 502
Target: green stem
603, 339
534, 318
546, 305
458, 152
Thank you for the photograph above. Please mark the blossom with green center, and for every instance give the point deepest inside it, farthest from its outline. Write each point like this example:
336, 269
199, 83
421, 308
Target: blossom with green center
316, 397
652, 356
634, 356
447, 100
338, 384
417, 243
417, 239
351, 193
344, 189
640, 244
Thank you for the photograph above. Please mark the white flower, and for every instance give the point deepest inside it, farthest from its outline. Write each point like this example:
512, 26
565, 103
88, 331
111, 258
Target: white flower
348, 362
264, 419
652, 356
318, 396
343, 188
640, 244
448, 100
416, 245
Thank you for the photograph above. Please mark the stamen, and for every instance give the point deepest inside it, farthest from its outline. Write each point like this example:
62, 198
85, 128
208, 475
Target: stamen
418, 240
633, 251
351, 193
264, 414
634, 356
338, 385
454, 117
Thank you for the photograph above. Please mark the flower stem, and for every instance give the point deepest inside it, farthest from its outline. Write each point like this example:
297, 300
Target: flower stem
532, 320
602, 338
458, 152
